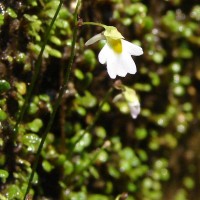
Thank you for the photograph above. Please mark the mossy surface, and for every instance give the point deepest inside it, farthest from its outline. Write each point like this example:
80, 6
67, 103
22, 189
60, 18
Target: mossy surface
152, 157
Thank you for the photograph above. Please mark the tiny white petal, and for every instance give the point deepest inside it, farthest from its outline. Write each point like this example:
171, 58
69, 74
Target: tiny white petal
128, 63
111, 68
115, 65
132, 48
95, 38
121, 70
134, 109
104, 53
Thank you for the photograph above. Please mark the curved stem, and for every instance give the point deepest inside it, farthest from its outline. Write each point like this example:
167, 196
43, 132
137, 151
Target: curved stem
57, 103
94, 24
37, 70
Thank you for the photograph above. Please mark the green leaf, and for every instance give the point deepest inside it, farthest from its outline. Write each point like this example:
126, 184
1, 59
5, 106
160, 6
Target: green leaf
11, 13
14, 192
90, 57
3, 115
113, 172
3, 174
4, 86
141, 133
79, 74
55, 40
68, 167
84, 142
1, 19
47, 166
35, 125
87, 101
32, 141
53, 52
33, 108
98, 197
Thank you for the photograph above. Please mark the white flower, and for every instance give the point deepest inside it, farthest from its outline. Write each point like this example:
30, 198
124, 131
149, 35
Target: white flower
117, 52
128, 101
133, 101
134, 109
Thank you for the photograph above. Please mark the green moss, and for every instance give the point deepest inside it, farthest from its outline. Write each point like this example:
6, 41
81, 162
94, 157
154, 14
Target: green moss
117, 156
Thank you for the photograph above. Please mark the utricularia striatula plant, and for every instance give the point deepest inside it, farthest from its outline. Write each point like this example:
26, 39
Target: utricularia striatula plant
117, 52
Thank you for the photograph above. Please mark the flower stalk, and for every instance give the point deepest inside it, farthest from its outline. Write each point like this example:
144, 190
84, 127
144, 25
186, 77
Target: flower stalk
37, 70
94, 24
57, 103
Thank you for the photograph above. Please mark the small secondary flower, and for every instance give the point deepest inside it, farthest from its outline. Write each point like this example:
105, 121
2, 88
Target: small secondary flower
117, 52
130, 100
133, 101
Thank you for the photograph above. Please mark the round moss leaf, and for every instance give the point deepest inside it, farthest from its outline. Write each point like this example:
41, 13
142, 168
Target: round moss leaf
4, 86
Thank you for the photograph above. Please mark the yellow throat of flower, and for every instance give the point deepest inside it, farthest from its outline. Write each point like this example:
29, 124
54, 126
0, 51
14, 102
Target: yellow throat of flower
116, 45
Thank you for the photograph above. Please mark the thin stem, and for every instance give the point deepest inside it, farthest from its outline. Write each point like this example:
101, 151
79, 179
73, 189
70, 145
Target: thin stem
37, 70
57, 103
96, 117
94, 24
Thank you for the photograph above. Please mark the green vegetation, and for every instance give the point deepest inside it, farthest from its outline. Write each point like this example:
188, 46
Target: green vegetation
94, 149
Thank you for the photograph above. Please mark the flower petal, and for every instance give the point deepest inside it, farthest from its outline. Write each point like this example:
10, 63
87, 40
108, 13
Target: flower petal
104, 54
125, 64
131, 48
95, 38
134, 109
128, 63
120, 65
111, 68
115, 65
108, 56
